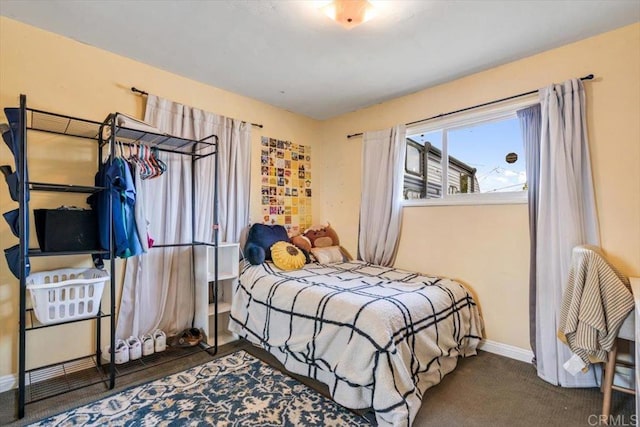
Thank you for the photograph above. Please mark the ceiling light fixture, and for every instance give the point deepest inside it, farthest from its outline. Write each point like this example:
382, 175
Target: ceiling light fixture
349, 13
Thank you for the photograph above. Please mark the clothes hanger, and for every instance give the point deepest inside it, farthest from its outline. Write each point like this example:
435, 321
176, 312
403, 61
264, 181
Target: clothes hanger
133, 156
145, 170
163, 165
147, 161
156, 169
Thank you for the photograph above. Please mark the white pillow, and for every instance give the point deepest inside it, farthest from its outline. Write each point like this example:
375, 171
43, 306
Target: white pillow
328, 254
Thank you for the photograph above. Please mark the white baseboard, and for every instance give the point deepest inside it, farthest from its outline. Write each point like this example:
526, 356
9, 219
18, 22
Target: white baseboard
506, 350
8, 382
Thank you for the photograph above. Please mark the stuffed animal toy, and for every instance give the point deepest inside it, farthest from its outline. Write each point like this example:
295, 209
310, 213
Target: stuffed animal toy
260, 239
322, 236
323, 243
302, 242
304, 245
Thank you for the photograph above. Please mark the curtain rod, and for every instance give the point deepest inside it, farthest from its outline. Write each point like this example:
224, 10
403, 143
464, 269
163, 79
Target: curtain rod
531, 92
143, 93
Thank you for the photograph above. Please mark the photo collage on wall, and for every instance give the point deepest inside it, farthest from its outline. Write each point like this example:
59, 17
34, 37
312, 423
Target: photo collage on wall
286, 184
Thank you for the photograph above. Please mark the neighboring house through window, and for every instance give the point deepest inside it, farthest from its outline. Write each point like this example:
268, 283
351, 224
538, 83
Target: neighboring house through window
421, 157
482, 153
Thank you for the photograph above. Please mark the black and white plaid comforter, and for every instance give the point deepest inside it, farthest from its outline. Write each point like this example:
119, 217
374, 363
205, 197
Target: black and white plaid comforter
377, 336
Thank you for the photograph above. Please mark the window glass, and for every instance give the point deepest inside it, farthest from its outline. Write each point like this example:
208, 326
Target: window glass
485, 157
414, 160
479, 156
426, 185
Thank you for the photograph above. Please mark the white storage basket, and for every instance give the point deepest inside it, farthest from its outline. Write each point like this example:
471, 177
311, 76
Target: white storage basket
66, 294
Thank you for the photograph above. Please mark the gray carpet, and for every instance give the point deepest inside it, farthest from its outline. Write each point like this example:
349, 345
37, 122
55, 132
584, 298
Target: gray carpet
490, 390
485, 390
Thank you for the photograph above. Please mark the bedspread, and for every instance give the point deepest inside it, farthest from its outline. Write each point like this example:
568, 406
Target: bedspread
377, 336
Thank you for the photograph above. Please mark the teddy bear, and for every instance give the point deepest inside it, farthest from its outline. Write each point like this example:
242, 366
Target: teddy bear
322, 242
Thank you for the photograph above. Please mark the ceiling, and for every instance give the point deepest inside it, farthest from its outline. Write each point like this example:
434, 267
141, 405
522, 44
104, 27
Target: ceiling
288, 54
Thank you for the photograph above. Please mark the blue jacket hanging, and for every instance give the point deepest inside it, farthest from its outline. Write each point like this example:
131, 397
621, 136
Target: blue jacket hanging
117, 179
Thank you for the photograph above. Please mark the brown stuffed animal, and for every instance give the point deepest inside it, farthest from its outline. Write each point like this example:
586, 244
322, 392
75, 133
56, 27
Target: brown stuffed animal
322, 236
301, 242
319, 237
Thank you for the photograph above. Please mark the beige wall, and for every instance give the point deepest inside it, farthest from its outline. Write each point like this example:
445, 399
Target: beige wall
489, 253
64, 76
487, 247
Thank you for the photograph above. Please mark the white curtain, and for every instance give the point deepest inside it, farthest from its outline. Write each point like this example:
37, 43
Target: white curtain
383, 157
566, 218
158, 290
234, 176
530, 120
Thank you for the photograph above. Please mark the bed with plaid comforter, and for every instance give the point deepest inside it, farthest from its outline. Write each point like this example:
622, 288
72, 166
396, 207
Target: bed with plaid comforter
378, 337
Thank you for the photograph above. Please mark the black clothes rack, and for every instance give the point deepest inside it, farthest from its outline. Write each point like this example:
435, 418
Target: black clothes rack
73, 127
197, 149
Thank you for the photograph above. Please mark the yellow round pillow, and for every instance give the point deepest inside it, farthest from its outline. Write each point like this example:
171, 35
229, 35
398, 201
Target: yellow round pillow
286, 256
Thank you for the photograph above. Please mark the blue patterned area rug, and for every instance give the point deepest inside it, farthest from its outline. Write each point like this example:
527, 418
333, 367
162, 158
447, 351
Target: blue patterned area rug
234, 390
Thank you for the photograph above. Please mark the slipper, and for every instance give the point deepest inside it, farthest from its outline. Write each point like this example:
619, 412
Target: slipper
187, 338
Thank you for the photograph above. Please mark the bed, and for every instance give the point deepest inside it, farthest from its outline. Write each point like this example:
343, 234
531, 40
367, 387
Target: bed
378, 337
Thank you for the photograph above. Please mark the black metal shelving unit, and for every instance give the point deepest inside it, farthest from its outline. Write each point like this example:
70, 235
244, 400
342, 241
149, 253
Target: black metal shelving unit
61, 377
39, 388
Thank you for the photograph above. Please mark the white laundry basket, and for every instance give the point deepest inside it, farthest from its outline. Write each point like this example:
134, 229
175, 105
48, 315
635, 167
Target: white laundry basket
66, 294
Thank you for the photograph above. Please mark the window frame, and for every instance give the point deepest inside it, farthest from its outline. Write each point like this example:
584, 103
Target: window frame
503, 111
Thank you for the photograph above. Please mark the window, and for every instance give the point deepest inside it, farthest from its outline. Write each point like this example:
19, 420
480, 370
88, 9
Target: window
482, 154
